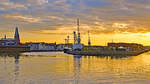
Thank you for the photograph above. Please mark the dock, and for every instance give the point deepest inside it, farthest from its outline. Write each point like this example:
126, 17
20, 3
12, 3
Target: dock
107, 53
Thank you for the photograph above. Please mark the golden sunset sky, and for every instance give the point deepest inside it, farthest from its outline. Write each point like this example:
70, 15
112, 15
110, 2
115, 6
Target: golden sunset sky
52, 20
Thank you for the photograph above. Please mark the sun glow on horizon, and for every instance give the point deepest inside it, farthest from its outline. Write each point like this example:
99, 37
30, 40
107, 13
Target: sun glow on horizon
96, 39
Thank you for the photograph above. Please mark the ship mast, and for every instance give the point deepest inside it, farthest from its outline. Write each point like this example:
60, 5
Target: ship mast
78, 29
77, 45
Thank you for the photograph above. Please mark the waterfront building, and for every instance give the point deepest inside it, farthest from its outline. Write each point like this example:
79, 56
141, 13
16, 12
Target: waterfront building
94, 48
11, 41
127, 46
41, 46
60, 47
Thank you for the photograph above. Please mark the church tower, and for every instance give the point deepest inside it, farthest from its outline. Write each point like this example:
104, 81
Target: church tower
16, 36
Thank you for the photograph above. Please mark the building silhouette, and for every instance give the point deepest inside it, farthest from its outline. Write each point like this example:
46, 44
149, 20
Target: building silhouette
11, 41
16, 36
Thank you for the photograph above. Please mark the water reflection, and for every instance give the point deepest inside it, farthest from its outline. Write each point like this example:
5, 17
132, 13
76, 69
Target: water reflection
68, 69
16, 67
9, 67
113, 56
77, 66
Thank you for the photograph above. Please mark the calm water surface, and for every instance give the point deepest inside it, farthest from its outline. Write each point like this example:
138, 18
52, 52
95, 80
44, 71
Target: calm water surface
60, 68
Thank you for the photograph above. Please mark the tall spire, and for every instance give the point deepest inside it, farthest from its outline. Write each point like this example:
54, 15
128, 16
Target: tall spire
16, 36
78, 29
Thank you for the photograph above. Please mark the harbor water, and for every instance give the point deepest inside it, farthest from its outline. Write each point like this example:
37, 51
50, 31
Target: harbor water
60, 68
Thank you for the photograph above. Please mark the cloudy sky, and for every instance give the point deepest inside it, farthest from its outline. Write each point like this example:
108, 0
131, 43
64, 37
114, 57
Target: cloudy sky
53, 20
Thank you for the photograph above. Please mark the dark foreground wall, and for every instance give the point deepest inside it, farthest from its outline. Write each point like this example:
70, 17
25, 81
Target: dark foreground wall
4, 49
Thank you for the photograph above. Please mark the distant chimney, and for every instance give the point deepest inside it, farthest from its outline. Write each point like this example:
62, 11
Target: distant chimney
89, 41
16, 36
5, 37
75, 37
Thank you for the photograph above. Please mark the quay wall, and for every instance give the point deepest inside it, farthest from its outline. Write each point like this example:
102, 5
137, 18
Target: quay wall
6, 49
107, 53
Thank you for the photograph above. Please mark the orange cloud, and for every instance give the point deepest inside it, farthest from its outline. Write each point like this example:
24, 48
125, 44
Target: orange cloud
29, 19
